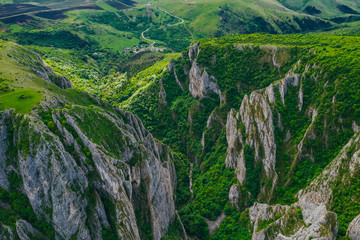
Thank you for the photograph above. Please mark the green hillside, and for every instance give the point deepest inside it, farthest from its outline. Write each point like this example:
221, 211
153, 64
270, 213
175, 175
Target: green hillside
184, 119
215, 18
324, 8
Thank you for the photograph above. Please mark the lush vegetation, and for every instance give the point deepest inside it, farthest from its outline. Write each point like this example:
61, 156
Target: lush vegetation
335, 58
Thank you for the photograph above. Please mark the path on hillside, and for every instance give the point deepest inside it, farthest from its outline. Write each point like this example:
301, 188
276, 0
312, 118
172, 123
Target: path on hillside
147, 39
171, 15
182, 21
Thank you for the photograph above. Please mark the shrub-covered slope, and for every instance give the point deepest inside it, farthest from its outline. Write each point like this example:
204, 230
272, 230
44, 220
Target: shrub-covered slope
259, 117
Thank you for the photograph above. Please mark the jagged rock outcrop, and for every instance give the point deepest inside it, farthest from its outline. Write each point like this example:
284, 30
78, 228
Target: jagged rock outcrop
234, 196
201, 83
4, 121
260, 212
324, 184
6, 232
194, 51
235, 153
162, 94
257, 117
24, 230
89, 171
172, 69
353, 231
307, 219
215, 122
59, 181
316, 221
253, 125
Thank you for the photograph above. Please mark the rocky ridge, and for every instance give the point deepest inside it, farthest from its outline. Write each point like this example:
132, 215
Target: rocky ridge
254, 125
87, 170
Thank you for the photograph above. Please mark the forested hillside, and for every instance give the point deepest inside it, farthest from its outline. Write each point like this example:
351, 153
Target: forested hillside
260, 116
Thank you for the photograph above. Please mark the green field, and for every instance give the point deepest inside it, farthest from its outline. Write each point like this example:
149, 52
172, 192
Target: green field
22, 100
6, 2
106, 7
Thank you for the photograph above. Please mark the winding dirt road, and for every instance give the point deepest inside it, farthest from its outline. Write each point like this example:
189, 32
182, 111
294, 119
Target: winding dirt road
147, 39
182, 21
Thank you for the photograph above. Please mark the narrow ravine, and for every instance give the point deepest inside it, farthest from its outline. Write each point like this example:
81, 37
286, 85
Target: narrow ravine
191, 181
213, 225
182, 225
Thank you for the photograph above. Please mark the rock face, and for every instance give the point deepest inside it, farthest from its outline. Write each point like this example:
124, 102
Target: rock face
234, 196
253, 125
307, 219
201, 83
4, 121
287, 222
257, 117
235, 153
354, 229
24, 230
316, 221
323, 185
213, 225
83, 176
5, 232
172, 69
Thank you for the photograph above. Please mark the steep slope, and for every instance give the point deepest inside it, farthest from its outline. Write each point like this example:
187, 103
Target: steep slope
73, 166
312, 218
259, 117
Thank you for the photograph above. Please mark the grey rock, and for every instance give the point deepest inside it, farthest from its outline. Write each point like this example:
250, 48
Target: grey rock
33, 62
235, 153
4, 123
24, 230
324, 183
6, 232
194, 51
201, 83
162, 94
234, 196
214, 225
285, 223
354, 229
56, 180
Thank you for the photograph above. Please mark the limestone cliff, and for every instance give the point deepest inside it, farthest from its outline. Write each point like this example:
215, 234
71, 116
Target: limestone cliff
88, 170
